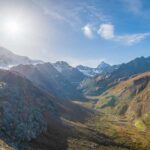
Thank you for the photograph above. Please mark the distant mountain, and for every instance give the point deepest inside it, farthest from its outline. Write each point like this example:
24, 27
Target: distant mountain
70, 73
101, 82
8, 59
47, 78
87, 70
102, 68
130, 98
61, 66
136, 66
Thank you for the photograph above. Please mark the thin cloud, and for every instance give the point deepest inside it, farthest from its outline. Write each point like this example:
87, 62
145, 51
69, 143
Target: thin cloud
137, 8
88, 31
134, 5
107, 32
133, 38
73, 14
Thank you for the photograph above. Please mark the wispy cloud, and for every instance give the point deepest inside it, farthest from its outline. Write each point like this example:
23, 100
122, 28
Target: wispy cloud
134, 5
132, 38
107, 32
73, 13
137, 7
88, 31
62, 15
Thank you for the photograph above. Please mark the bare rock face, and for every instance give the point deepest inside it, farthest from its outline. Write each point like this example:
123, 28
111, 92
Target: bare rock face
24, 109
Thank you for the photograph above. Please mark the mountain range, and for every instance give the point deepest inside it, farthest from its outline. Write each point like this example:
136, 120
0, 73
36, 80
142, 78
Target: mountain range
100, 83
46, 105
9, 59
47, 78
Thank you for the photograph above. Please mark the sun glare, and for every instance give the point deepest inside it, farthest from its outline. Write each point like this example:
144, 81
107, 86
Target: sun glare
13, 27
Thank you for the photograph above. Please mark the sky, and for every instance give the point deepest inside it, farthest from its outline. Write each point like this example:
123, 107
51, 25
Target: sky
77, 31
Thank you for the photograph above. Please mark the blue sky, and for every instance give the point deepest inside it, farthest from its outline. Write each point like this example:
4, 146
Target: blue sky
78, 31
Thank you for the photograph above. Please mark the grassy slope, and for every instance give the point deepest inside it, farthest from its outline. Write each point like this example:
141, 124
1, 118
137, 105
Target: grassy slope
107, 133
124, 113
4, 146
130, 97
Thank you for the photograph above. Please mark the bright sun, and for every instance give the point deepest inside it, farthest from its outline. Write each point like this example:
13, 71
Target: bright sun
13, 27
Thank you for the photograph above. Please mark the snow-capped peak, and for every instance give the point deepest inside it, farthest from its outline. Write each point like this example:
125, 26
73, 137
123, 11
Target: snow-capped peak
61, 66
101, 68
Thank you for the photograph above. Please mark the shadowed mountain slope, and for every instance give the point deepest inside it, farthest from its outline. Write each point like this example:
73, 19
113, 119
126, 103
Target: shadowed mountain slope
47, 78
70, 73
28, 113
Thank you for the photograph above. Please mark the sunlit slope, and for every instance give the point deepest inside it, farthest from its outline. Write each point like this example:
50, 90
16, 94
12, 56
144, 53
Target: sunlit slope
130, 98
5, 146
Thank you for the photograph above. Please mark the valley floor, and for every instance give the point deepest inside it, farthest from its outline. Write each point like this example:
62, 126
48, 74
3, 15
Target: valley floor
107, 132
102, 132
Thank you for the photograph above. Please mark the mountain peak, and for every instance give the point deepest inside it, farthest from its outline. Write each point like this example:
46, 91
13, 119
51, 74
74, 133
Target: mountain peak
103, 65
4, 51
82, 67
61, 66
102, 68
8, 59
64, 63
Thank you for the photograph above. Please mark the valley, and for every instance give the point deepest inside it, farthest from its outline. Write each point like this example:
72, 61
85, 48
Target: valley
55, 106
124, 112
